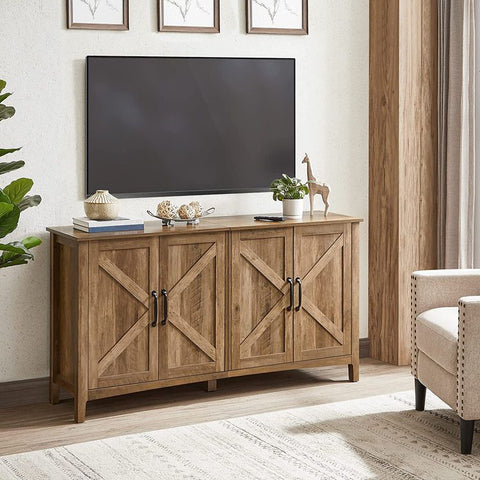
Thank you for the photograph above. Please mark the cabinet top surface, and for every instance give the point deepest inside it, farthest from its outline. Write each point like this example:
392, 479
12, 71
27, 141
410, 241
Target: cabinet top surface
237, 222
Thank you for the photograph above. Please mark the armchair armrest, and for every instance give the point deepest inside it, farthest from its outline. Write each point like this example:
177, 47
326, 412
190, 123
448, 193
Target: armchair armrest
468, 358
443, 288
438, 288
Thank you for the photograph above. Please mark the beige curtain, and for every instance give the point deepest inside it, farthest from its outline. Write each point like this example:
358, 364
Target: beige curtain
456, 133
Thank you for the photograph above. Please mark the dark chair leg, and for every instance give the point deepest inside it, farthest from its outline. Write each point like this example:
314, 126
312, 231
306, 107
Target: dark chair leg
466, 435
420, 392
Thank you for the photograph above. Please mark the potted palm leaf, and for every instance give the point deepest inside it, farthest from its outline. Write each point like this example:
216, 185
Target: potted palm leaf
291, 192
13, 201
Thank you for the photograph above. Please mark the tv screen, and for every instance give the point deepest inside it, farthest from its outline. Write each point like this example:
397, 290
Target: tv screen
170, 126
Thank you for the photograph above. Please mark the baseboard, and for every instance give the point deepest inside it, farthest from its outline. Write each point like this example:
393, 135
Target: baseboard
25, 392
35, 390
364, 348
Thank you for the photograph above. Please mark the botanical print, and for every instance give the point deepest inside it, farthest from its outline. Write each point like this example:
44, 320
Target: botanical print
97, 11
188, 13
276, 13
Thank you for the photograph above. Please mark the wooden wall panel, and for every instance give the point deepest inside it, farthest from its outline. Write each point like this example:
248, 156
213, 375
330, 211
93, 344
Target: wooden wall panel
403, 127
429, 119
383, 177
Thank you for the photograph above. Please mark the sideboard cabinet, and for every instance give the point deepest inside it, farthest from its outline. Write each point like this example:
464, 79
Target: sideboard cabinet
132, 311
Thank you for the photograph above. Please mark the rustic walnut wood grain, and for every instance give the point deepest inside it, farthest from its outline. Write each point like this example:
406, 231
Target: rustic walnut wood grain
261, 325
192, 270
322, 262
227, 304
402, 172
353, 368
123, 345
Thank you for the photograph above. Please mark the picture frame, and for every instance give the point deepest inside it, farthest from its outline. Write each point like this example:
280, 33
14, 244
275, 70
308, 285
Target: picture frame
200, 16
98, 14
277, 17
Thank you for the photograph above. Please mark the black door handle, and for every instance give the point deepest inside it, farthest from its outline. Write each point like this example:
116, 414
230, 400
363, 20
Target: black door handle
155, 308
165, 306
290, 281
297, 308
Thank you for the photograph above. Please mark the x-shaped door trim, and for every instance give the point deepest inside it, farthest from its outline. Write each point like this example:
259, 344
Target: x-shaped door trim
129, 336
176, 319
278, 282
313, 273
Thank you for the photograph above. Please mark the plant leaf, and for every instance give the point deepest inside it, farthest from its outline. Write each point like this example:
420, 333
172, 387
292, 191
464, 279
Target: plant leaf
6, 112
29, 201
9, 221
10, 263
288, 188
5, 208
4, 96
3, 84
6, 167
16, 250
287, 179
18, 189
4, 151
13, 247
31, 242
4, 198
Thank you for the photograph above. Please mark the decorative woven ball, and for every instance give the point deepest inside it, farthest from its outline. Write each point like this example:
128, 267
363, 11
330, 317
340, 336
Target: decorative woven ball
186, 212
198, 208
166, 209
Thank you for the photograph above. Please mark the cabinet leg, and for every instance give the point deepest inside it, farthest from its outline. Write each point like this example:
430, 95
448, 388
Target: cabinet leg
353, 372
211, 385
80, 410
54, 393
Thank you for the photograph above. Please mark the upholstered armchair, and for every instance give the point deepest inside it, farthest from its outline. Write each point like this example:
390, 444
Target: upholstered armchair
445, 317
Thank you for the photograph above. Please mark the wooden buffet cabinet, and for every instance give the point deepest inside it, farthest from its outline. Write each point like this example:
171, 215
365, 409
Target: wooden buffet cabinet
233, 297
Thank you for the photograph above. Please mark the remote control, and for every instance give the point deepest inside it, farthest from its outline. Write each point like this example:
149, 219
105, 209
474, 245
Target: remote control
269, 219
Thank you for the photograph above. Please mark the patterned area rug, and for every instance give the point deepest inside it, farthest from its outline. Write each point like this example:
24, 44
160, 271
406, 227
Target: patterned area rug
374, 438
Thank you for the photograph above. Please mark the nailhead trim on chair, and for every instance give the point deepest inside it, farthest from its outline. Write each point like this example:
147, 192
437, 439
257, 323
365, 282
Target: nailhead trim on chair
461, 359
413, 325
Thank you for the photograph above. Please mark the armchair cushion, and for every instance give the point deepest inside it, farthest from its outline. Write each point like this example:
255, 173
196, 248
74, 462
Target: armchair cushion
437, 336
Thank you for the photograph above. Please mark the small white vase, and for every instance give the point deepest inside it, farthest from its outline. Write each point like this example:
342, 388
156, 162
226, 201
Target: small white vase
101, 206
293, 208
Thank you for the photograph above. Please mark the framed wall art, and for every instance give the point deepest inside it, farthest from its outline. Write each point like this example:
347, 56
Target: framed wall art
201, 16
98, 14
287, 17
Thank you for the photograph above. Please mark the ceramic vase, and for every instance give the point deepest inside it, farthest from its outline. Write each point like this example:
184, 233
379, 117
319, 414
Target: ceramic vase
101, 206
293, 208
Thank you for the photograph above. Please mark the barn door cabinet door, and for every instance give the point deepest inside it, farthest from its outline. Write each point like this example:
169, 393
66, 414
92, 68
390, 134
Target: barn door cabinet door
262, 297
323, 283
123, 343
192, 304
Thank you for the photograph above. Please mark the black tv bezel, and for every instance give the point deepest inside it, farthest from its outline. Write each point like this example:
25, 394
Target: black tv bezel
188, 192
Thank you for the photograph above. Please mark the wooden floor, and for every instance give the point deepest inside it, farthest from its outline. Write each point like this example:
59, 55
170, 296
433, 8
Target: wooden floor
39, 426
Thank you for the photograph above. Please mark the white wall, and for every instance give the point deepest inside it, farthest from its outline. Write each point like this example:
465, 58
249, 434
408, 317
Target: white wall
476, 235
44, 64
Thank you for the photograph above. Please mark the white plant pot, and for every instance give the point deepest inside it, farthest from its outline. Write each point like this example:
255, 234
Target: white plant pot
293, 208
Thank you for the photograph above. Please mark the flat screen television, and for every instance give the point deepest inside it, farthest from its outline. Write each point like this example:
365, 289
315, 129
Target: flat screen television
187, 126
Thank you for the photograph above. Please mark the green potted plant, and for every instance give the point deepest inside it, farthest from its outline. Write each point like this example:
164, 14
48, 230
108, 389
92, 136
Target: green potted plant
13, 201
291, 192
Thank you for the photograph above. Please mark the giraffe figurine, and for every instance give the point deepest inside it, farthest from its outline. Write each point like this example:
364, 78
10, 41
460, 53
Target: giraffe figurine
316, 187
